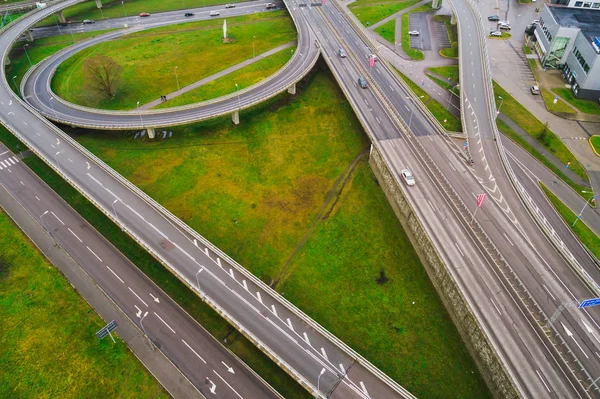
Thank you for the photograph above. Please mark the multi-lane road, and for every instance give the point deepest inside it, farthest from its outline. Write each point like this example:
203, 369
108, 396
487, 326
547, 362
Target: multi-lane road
517, 335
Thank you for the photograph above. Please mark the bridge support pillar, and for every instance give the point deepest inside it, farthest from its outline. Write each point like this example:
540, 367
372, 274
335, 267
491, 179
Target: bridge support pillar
61, 17
99, 3
292, 89
29, 35
453, 19
151, 132
235, 117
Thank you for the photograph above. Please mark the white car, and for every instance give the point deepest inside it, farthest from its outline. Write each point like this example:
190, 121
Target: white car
413, 33
408, 177
214, 13
495, 33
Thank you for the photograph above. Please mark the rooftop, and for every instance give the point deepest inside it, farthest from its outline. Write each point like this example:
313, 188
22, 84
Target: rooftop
586, 19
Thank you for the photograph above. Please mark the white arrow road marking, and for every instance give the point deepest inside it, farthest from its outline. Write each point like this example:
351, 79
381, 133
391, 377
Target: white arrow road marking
589, 329
274, 310
230, 387
230, 369
9, 102
231, 272
213, 385
219, 262
306, 338
138, 297
155, 298
199, 357
258, 297
88, 165
139, 312
570, 334
324, 354
364, 388
245, 285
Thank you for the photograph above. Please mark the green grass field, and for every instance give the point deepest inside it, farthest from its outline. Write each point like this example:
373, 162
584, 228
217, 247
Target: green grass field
586, 106
244, 77
116, 9
581, 230
450, 71
413, 53
388, 31
450, 52
559, 108
49, 347
149, 58
595, 143
255, 190
371, 11
536, 129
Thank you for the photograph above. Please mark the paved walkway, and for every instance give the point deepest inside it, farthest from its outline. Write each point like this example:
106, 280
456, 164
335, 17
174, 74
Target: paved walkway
218, 75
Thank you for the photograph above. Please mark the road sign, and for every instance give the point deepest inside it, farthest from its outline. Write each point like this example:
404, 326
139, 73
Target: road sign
555, 100
589, 302
480, 199
104, 331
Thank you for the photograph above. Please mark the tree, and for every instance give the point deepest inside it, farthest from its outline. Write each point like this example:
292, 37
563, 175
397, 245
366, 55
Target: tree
102, 74
382, 279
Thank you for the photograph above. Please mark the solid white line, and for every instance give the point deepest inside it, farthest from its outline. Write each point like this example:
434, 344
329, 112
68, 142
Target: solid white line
164, 322
3, 153
324, 354
74, 234
116, 275
61, 222
274, 310
452, 166
543, 382
494, 303
306, 338
508, 239
228, 384
38, 198
89, 249
364, 388
138, 297
461, 252
290, 324
258, 297
199, 357
549, 293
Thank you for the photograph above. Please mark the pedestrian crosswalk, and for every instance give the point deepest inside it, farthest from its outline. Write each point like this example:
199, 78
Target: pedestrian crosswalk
8, 162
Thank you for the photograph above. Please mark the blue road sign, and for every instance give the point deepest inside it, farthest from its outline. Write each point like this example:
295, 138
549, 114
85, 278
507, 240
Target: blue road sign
589, 302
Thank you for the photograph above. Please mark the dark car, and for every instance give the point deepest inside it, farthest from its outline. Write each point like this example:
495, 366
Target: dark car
229, 5
189, 14
145, 14
493, 18
362, 82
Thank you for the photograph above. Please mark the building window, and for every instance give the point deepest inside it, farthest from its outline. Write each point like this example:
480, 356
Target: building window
587, 4
578, 3
596, 5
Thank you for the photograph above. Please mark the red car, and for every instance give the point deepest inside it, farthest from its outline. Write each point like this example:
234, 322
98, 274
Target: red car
145, 14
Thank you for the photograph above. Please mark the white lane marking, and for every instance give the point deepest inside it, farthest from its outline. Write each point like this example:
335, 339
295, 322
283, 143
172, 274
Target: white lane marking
230, 387
2, 163
570, 334
1, 167
324, 354
195, 353
219, 262
431, 205
549, 293
362, 385
496, 306
61, 222
258, 297
342, 368
452, 166
88, 165
22, 182
377, 119
245, 285
38, 198
461, 252
38, 134
89, 249
74, 234
11, 161
160, 318
116, 275
290, 324
392, 88
543, 382
52, 145
158, 231
274, 310
9, 171
231, 272
306, 338
508, 239
138, 297
16, 159
3, 153
70, 160
154, 298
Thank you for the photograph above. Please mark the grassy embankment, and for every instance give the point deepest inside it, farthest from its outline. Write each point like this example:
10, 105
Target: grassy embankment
452, 51
388, 31
372, 11
149, 58
581, 230
585, 106
451, 75
49, 347
559, 108
255, 190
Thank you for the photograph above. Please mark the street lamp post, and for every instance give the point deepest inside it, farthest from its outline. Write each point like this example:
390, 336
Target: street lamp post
58, 26
412, 110
500, 107
253, 53
319, 381
15, 83
144, 330
177, 78
52, 104
141, 120
124, 12
592, 198
56, 159
237, 89
27, 54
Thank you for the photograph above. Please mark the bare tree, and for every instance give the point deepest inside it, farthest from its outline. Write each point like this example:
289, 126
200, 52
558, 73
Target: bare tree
102, 74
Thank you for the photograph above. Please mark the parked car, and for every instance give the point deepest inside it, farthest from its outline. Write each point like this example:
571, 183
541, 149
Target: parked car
493, 18
214, 13
270, 6
145, 14
88, 21
535, 22
413, 33
189, 14
534, 90
496, 33
408, 177
342, 53
503, 25
362, 82
229, 5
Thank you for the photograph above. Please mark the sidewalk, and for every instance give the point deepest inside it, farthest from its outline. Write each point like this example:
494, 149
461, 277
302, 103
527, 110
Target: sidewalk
217, 75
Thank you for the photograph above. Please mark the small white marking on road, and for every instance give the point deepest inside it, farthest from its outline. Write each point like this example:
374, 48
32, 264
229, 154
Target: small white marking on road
452, 166
408, 109
195, 353
38, 134
274, 310
549, 293
88, 165
508, 239
61, 222
258, 297
290, 324
70, 160
2, 163
497, 309
342, 368
206, 250
89, 249
543, 382
245, 285
25, 123
392, 88
362, 385
324, 354
306, 338
116, 275
9, 171
38, 198
377, 119
230, 387
219, 262
431, 205
22, 182
138, 297
231, 273
366, 102
74, 234
461, 252
10, 160
160, 318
